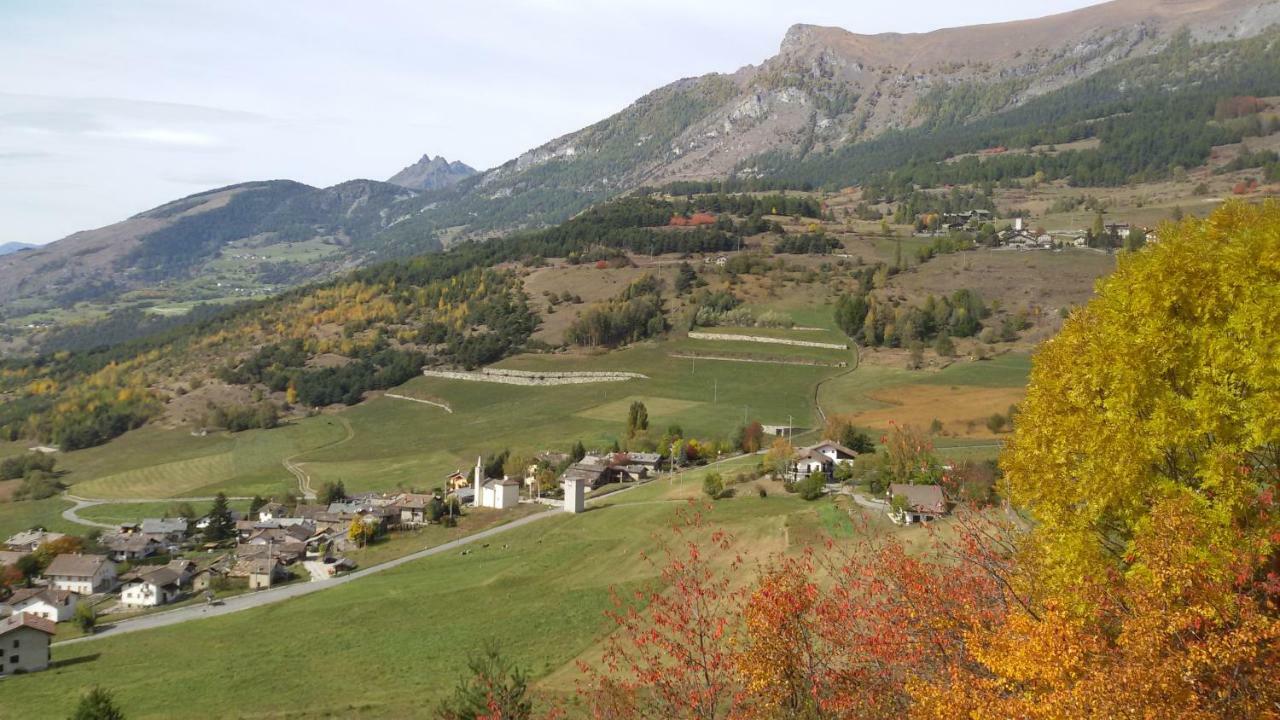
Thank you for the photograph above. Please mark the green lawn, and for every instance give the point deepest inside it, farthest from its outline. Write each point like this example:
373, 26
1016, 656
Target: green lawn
402, 635
1008, 370
17, 516
136, 512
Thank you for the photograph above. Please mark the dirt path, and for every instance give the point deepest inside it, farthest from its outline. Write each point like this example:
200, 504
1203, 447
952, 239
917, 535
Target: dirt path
304, 480
433, 403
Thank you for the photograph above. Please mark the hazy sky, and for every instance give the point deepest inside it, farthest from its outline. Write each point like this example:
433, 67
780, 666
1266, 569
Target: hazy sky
110, 108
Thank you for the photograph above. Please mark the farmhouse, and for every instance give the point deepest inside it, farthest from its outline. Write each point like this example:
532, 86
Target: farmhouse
48, 603
124, 547
834, 451
167, 530
415, 509
150, 588
808, 461
916, 503
83, 574
28, 540
590, 475
24, 643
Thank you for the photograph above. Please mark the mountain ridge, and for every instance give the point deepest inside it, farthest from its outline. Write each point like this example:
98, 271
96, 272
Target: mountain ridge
825, 91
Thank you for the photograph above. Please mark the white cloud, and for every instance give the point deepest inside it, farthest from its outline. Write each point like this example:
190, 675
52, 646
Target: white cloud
161, 136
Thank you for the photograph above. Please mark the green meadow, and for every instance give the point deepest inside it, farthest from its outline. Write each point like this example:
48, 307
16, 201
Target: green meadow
540, 590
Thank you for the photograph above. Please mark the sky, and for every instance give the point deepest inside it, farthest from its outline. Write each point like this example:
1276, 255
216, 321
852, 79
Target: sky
111, 108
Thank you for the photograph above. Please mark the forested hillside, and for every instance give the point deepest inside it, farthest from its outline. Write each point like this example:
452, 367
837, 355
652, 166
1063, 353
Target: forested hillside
330, 343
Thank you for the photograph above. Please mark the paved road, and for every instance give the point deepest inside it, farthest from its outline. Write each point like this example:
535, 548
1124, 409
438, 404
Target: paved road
284, 592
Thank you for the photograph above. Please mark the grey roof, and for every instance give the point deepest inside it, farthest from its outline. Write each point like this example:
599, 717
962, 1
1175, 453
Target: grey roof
645, 458
76, 565
48, 594
32, 537
126, 542
921, 498
164, 526
161, 576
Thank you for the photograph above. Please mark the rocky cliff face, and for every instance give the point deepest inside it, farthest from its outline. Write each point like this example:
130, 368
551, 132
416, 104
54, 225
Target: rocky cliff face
431, 173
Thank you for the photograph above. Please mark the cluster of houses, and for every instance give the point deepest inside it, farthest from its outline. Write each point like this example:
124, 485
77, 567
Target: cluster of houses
1020, 237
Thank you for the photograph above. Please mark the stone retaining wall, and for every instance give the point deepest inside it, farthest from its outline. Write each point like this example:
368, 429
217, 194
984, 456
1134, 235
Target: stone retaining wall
527, 377
770, 340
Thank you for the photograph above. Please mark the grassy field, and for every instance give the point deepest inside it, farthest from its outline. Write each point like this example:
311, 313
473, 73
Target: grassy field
541, 591
135, 512
16, 516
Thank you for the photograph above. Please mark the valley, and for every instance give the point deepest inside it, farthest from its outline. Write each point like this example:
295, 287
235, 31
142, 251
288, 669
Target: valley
898, 375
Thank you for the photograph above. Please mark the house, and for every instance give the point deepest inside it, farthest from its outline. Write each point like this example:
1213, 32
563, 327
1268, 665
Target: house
631, 473
48, 603
262, 572
836, 452
500, 494
28, 540
186, 570
590, 475
168, 530
456, 480
124, 547
24, 643
1120, 230
415, 508
808, 462
650, 460
919, 503
272, 511
83, 574
150, 588
552, 459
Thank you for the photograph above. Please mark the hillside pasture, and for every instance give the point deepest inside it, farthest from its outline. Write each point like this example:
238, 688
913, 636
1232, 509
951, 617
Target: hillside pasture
545, 586
962, 410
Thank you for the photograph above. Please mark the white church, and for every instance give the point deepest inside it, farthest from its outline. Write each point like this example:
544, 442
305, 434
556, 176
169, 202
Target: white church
497, 494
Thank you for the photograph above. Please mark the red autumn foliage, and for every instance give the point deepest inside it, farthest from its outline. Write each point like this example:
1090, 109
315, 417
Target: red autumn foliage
1236, 107
1244, 187
789, 645
693, 220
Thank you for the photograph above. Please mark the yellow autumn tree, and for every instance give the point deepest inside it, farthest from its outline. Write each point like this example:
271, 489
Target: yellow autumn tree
1147, 455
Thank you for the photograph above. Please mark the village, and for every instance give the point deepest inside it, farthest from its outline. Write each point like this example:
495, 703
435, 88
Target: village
148, 566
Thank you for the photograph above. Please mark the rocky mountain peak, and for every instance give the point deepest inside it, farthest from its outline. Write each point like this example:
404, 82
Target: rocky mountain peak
431, 173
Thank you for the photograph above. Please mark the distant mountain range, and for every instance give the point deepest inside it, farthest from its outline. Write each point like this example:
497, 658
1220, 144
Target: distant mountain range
831, 108
13, 247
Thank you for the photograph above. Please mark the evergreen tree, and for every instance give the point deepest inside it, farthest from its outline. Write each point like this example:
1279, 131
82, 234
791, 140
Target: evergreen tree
578, 451
221, 524
255, 505
496, 688
97, 704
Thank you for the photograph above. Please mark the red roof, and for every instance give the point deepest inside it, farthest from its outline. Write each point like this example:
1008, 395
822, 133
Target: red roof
15, 622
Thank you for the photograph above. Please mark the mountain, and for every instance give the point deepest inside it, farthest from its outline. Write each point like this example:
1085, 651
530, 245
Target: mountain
13, 247
249, 238
431, 174
1134, 80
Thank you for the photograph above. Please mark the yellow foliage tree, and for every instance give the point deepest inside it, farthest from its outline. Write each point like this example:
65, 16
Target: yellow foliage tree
1148, 454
